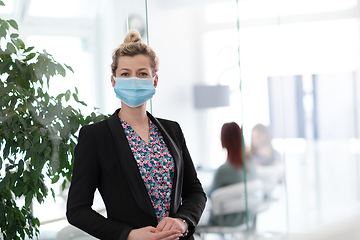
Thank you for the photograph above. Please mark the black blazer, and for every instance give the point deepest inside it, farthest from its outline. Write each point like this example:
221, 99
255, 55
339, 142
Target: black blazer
104, 161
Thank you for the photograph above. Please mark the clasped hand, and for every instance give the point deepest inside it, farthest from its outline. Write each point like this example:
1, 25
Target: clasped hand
167, 229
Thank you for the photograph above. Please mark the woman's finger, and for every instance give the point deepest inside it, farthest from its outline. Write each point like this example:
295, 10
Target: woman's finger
168, 235
150, 229
168, 225
165, 224
160, 226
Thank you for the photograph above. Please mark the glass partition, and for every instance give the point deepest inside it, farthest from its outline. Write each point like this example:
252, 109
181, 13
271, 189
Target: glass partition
198, 48
298, 68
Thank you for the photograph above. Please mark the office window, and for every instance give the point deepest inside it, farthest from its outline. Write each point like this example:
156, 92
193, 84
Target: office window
73, 51
63, 9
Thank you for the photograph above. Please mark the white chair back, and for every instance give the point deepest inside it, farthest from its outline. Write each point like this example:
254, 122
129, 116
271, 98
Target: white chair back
232, 198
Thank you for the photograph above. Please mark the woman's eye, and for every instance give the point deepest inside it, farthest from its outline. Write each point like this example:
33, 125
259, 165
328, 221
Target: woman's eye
143, 74
124, 74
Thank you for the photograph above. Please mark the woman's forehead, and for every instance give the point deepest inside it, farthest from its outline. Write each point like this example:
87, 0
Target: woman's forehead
134, 62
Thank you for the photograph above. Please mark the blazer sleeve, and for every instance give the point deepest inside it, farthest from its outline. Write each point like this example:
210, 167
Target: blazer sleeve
193, 195
86, 174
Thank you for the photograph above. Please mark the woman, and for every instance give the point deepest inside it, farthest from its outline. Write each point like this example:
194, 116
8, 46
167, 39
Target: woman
140, 164
261, 149
232, 171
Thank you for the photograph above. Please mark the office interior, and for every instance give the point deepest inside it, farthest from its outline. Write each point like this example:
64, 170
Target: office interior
290, 65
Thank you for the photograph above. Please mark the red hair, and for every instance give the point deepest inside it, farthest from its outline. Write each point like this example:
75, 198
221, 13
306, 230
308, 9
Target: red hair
232, 140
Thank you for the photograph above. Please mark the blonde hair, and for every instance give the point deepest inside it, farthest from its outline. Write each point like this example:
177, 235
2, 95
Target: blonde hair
133, 46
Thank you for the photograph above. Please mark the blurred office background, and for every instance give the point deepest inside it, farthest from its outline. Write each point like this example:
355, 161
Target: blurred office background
297, 62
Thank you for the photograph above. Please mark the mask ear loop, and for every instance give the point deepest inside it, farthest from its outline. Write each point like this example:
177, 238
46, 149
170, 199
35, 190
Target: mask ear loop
113, 80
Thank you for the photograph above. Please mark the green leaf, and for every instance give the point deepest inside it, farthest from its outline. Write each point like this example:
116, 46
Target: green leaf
28, 198
75, 97
63, 185
23, 122
6, 133
42, 147
58, 96
27, 144
60, 70
26, 176
47, 151
3, 90
2, 31
42, 131
30, 56
77, 100
68, 67
25, 186
33, 129
36, 138
55, 179
40, 92
1, 3
18, 190
7, 147
20, 44
67, 95
5, 181
29, 152
4, 24
10, 48
40, 198
52, 193
76, 90
36, 222
13, 23
51, 68
14, 35
28, 49
21, 166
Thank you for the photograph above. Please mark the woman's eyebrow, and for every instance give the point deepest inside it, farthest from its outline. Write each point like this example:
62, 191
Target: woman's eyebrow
122, 69
141, 69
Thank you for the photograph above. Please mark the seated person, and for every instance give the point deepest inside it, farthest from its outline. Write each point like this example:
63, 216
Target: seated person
231, 172
268, 161
262, 151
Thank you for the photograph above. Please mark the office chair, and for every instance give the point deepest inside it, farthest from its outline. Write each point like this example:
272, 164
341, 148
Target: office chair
232, 199
272, 177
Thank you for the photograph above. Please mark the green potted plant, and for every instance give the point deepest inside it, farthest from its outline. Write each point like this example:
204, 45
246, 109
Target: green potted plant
38, 132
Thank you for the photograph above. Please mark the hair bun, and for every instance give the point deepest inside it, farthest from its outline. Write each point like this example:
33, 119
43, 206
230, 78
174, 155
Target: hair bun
133, 35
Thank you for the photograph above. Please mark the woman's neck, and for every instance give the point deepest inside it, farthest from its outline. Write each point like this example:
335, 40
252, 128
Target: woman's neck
265, 151
133, 116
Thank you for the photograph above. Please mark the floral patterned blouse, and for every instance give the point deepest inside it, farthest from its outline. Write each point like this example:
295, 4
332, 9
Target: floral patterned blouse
156, 166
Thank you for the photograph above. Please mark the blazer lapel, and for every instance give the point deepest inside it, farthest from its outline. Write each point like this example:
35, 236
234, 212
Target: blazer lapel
129, 166
177, 156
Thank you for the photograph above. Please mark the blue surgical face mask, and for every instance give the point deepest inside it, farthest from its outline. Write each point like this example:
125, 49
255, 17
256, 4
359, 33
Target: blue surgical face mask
134, 91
